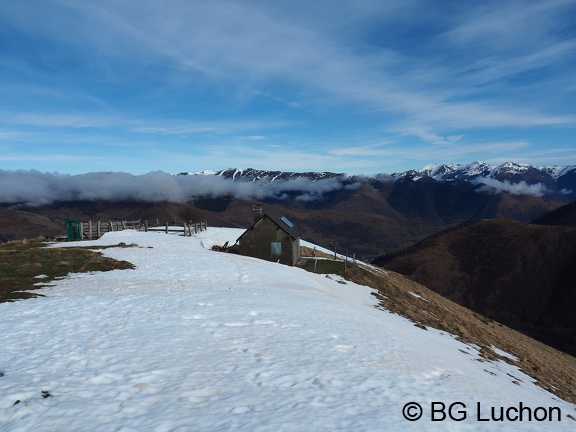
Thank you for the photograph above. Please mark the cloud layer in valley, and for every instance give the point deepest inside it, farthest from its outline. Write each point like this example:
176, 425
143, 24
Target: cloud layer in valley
36, 188
33, 188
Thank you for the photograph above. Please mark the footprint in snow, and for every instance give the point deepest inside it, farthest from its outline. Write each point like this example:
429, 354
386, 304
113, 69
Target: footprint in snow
264, 322
195, 317
242, 409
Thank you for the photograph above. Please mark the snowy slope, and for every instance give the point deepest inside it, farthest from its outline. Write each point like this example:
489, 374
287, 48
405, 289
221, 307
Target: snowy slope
196, 340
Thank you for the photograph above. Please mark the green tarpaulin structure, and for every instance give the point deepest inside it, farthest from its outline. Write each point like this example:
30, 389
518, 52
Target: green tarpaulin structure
73, 229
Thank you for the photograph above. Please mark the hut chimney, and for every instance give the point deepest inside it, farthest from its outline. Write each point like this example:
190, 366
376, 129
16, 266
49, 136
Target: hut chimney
257, 210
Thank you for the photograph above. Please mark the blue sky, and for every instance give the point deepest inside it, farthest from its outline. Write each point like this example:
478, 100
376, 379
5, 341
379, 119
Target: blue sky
356, 86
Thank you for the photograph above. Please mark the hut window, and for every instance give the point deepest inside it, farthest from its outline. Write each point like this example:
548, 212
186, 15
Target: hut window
276, 248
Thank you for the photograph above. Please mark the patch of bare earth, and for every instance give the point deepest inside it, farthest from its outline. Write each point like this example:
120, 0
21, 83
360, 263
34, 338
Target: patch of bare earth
26, 263
305, 251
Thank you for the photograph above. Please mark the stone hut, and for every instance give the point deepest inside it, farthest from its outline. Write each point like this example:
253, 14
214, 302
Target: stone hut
271, 238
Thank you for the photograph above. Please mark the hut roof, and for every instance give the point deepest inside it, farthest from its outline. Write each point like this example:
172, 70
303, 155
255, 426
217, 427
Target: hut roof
282, 222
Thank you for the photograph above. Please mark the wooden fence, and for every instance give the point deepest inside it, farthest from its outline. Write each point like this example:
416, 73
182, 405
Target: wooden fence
93, 230
186, 229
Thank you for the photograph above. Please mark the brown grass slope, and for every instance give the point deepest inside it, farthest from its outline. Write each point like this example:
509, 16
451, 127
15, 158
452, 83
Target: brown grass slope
521, 275
19, 224
49, 220
563, 216
553, 370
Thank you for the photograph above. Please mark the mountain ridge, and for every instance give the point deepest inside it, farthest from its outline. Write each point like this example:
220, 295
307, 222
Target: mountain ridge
443, 172
476, 167
515, 273
558, 182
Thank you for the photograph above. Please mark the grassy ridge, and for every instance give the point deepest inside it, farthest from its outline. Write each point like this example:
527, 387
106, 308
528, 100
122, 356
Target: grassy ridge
21, 261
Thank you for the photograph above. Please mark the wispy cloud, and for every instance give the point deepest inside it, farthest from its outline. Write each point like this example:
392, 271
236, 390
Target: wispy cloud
337, 75
426, 134
491, 186
50, 120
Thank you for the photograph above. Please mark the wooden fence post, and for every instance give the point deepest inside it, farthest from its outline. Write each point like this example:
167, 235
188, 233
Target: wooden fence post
98, 233
166, 227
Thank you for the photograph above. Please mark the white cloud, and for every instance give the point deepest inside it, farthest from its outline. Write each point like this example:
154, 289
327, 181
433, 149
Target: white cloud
426, 134
254, 137
37, 188
492, 186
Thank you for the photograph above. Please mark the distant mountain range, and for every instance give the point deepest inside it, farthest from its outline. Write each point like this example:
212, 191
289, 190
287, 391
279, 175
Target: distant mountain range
511, 171
554, 182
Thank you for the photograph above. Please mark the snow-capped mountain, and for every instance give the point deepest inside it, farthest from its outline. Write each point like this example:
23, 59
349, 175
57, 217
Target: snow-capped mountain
251, 174
555, 182
511, 171
440, 172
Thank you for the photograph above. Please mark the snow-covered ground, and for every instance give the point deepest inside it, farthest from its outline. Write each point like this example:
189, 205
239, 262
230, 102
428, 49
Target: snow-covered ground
196, 340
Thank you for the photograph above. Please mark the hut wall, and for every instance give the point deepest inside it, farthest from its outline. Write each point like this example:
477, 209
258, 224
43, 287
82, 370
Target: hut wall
258, 242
